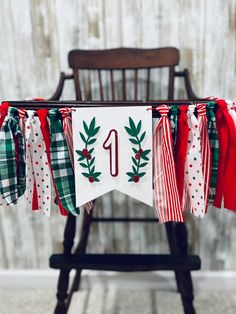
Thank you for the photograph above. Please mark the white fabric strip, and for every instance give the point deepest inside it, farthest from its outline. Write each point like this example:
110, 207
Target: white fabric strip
194, 181
37, 169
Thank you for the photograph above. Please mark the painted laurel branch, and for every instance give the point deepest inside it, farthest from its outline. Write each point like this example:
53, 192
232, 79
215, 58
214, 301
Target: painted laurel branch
140, 158
86, 154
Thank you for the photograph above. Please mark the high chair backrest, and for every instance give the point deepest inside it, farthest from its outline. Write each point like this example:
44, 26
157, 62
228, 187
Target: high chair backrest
122, 60
133, 66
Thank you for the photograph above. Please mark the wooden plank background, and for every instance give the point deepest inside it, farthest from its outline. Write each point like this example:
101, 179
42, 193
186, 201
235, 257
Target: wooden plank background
35, 37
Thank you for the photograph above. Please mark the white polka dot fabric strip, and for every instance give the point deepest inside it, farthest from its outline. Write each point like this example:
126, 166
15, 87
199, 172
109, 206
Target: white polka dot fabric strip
194, 181
37, 170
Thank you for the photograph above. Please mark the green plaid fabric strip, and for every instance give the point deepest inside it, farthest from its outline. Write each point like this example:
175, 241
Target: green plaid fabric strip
174, 110
12, 182
214, 143
61, 164
21, 173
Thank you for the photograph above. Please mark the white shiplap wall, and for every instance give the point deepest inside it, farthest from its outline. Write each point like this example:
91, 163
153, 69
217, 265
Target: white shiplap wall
35, 37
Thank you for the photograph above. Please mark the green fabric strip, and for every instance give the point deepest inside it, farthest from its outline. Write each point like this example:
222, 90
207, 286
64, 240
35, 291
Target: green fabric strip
214, 143
61, 164
12, 178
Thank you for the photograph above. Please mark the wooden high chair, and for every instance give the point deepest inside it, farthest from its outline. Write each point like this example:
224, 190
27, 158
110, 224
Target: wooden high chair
110, 61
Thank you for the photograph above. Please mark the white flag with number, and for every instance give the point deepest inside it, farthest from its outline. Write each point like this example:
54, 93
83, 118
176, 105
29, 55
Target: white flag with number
112, 151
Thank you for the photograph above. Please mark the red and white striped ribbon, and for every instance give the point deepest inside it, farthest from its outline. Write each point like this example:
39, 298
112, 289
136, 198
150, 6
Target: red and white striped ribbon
165, 186
205, 150
22, 115
67, 127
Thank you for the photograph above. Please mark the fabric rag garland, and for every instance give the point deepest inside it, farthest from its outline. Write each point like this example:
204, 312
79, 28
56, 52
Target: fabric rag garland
194, 152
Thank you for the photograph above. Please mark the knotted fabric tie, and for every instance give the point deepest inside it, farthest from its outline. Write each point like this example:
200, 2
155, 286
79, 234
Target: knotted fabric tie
214, 144
43, 118
194, 181
181, 149
37, 170
205, 150
67, 127
226, 183
23, 116
61, 165
12, 178
165, 186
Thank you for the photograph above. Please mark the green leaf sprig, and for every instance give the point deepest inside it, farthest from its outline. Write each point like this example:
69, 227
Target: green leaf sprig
137, 139
86, 153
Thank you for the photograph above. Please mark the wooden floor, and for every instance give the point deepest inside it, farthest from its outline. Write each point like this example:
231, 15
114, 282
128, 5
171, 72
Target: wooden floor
112, 301
33, 292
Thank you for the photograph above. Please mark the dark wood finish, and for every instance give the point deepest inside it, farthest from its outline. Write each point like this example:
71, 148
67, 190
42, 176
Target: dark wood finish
80, 249
127, 59
171, 83
123, 84
78, 93
112, 85
123, 58
178, 243
35, 104
188, 86
135, 84
63, 281
59, 89
100, 84
125, 262
148, 84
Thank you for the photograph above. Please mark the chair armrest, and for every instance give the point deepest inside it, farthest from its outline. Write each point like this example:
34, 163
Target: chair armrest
60, 86
185, 74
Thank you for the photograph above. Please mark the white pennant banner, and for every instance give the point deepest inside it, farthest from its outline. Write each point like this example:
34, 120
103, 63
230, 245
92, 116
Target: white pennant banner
113, 151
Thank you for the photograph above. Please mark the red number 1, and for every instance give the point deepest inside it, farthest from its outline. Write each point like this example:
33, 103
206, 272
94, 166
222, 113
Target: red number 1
111, 144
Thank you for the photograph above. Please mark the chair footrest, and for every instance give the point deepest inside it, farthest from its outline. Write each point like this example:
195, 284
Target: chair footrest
125, 262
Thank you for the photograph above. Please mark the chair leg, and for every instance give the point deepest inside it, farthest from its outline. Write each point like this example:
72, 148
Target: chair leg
178, 242
63, 281
81, 248
186, 291
172, 245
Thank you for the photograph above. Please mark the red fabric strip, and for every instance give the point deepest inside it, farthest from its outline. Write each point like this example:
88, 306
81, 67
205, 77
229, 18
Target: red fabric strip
181, 149
3, 112
226, 183
42, 114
